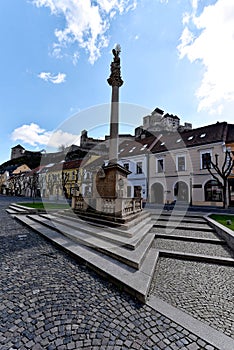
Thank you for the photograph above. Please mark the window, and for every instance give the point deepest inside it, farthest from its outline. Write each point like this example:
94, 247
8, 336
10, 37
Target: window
126, 166
160, 165
137, 191
213, 191
181, 163
129, 191
205, 159
139, 167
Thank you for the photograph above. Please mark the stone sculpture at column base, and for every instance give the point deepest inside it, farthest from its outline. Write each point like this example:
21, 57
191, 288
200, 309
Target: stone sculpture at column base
110, 190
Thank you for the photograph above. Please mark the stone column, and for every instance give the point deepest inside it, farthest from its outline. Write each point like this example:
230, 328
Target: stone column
115, 81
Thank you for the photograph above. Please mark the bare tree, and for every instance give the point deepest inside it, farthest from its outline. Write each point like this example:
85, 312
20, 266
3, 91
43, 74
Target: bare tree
61, 148
34, 185
221, 173
50, 183
13, 185
65, 178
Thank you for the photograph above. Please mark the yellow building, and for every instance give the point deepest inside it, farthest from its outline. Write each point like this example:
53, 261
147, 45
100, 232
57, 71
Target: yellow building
21, 169
3, 182
65, 179
230, 146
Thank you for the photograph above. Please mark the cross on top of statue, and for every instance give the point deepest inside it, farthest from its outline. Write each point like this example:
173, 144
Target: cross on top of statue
115, 76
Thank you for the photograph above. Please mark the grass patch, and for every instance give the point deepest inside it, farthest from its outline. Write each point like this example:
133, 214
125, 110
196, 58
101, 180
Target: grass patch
222, 219
46, 205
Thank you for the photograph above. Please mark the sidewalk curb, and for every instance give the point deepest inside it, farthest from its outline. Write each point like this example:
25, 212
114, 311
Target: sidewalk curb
202, 330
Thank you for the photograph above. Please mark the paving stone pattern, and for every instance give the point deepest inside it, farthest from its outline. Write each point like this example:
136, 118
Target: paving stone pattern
193, 247
187, 233
170, 222
203, 290
51, 301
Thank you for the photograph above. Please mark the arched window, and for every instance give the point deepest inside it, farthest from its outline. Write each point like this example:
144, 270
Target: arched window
213, 191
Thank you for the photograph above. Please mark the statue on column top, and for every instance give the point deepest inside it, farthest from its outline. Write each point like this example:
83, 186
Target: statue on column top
115, 76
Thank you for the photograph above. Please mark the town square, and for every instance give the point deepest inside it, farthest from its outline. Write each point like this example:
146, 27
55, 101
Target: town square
117, 222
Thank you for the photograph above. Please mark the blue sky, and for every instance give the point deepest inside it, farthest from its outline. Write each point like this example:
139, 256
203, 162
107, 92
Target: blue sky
55, 58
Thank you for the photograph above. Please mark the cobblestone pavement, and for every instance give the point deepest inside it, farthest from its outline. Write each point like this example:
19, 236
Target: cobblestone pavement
203, 290
190, 233
208, 292
51, 301
193, 247
180, 223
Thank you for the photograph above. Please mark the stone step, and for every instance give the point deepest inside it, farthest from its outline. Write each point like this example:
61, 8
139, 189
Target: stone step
179, 219
219, 260
175, 225
123, 230
190, 238
108, 221
212, 248
12, 211
206, 247
133, 258
187, 233
18, 208
123, 238
185, 214
171, 222
136, 282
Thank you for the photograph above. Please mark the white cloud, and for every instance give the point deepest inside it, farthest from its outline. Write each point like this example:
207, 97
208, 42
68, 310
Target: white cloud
86, 23
211, 42
194, 5
60, 137
31, 134
186, 39
34, 135
55, 79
